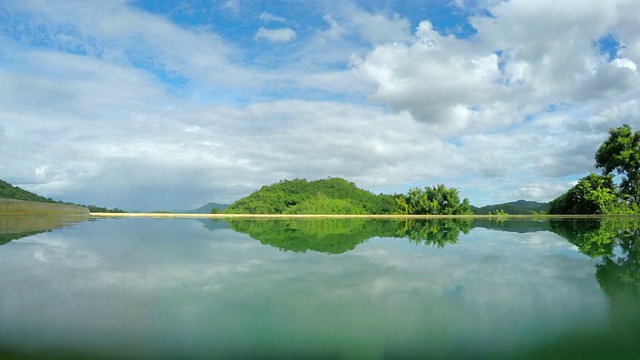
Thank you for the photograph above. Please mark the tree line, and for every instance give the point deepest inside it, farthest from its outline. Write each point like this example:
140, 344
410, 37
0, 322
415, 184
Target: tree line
618, 155
338, 196
8, 191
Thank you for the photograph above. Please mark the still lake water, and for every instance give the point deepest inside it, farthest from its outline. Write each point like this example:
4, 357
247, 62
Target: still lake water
323, 288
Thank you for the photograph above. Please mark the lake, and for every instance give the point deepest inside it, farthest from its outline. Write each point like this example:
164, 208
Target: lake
320, 288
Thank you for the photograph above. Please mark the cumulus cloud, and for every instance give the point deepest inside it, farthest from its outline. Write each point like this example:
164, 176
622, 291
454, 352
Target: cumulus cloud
275, 35
461, 83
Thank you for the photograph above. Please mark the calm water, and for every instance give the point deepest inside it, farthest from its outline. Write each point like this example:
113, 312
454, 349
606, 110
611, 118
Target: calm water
371, 289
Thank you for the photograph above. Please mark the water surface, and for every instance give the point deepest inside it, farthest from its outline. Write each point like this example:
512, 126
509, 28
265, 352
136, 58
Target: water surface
349, 288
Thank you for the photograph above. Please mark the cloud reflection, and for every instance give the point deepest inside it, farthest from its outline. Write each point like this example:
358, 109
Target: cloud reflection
149, 287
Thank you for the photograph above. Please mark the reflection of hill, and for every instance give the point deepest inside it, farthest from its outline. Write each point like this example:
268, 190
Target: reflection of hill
513, 225
335, 236
332, 236
7, 238
214, 224
16, 227
433, 232
616, 243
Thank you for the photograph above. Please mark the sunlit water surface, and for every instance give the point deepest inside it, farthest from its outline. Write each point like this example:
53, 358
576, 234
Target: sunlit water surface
189, 288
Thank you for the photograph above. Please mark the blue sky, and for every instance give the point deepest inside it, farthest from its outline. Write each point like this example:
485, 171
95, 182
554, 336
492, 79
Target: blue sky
172, 104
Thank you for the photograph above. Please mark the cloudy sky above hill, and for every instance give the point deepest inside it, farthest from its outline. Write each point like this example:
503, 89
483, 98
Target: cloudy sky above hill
171, 104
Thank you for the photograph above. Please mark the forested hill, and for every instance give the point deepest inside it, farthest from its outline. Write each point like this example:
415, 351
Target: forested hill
520, 207
326, 196
8, 191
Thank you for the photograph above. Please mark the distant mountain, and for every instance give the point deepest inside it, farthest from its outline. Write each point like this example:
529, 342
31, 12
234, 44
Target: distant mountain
205, 209
520, 207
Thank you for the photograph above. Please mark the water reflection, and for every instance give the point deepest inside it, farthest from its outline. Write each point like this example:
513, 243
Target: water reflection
615, 242
336, 236
16, 227
352, 288
436, 233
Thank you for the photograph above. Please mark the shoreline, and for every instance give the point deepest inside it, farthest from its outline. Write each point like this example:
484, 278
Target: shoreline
335, 216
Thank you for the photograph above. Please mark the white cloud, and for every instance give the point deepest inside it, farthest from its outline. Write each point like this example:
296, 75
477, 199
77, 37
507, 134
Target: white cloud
268, 17
275, 35
233, 5
460, 83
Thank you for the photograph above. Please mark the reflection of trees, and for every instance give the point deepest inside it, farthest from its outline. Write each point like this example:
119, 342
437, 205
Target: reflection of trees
615, 241
433, 232
331, 236
7, 238
335, 236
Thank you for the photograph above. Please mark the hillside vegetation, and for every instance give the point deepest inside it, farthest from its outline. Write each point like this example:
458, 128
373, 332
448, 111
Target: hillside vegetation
8, 191
325, 196
618, 155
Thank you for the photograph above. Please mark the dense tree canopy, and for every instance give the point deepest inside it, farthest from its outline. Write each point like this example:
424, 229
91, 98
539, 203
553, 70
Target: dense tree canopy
325, 196
336, 236
436, 200
595, 194
621, 153
8, 191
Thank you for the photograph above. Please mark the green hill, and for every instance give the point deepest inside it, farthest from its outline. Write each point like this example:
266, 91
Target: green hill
325, 196
8, 191
520, 207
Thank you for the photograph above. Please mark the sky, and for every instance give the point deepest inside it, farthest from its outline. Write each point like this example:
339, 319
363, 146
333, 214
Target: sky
147, 105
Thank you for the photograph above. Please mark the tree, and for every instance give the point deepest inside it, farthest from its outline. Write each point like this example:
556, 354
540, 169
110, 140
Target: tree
593, 194
299, 196
436, 200
621, 153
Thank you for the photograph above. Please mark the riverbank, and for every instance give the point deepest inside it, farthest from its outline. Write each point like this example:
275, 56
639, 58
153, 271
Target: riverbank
283, 216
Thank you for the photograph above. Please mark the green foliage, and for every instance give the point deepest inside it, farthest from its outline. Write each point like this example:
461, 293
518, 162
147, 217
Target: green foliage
621, 153
216, 210
326, 196
593, 194
436, 200
331, 236
322, 204
100, 209
8, 191
335, 236
7, 238
436, 233
616, 242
